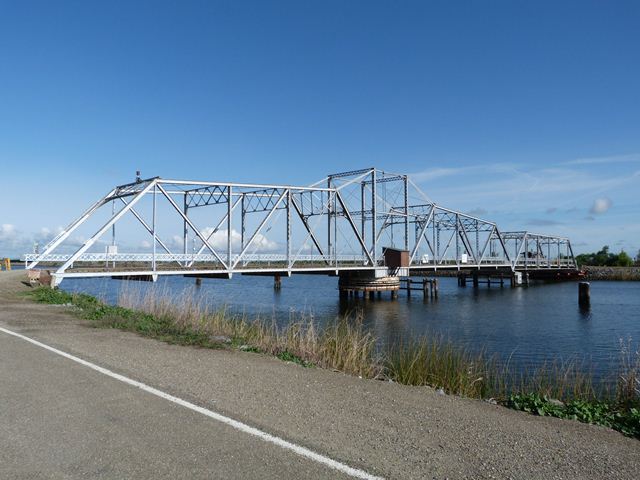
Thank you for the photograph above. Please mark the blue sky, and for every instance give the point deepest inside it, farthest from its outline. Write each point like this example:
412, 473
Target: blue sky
526, 113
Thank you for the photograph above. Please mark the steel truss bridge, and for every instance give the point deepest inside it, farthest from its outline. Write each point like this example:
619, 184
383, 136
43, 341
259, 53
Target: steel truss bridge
339, 224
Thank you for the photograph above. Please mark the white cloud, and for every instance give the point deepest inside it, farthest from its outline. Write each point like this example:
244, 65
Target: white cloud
7, 231
633, 157
434, 173
263, 244
218, 238
601, 205
477, 212
13, 242
542, 222
218, 241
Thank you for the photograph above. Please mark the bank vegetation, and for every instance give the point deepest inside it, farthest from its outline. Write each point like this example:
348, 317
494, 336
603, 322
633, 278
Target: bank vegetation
560, 389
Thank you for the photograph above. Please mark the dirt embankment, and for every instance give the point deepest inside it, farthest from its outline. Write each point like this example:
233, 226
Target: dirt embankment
612, 273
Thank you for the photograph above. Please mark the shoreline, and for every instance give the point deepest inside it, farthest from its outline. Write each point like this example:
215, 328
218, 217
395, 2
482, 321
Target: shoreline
592, 273
628, 274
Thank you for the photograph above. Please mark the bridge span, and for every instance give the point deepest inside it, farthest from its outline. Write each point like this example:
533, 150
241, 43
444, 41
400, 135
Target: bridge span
360, 224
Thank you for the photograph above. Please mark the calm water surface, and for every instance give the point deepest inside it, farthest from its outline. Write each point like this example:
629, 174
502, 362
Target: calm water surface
527, 325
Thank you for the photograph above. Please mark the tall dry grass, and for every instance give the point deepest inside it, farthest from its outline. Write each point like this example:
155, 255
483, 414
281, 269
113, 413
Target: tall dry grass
628, 385
342, 345
347, 346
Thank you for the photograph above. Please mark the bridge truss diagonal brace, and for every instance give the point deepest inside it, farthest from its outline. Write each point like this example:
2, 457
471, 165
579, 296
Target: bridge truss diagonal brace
148, 228
465, 239
91, 240
191, 225
422, 236
259, 229
224, 219
62, 236
354, 228
454, 234
504, 246
305, 222
483, 252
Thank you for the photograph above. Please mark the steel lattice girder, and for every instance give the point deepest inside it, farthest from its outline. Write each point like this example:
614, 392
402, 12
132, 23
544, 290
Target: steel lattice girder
361, 207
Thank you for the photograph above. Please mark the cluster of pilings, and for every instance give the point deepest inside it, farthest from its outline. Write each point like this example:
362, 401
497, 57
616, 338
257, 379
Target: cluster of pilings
354, 284
428, 287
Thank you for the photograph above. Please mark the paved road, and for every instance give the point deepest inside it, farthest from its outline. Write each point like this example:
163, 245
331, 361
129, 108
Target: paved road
59, 419
62, 420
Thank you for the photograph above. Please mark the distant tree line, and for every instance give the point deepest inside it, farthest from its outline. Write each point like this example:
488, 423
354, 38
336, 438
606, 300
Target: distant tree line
604, 258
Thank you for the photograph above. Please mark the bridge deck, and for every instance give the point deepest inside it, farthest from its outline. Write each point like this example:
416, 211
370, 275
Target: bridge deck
125, 266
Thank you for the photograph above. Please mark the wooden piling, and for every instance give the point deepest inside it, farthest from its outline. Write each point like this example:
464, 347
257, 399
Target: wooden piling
584, 294
277, 282
198, 281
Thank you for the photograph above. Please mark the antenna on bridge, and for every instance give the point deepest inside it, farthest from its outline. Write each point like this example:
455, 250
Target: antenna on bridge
138, 179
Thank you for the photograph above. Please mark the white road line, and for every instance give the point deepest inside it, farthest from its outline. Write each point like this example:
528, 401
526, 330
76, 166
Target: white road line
243, 427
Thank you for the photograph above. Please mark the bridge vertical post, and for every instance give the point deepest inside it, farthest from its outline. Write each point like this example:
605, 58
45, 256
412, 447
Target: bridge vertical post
229, 223
478, 259
113, 229
153, 228
288, 229
335, 229
374, 226
329, 219
243, 225
457, 240
185, 231
363, 205
436, 230
406, 212
570, 251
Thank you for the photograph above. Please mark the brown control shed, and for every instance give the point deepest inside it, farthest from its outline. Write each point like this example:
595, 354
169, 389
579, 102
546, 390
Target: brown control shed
395, 258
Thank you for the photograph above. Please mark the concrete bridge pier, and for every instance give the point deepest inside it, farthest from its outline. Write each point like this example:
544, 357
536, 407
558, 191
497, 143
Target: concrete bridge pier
353, 283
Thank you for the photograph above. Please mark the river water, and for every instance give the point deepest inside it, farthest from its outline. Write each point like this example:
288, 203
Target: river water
527, 325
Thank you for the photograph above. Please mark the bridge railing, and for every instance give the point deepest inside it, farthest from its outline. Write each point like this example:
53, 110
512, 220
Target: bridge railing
181, 258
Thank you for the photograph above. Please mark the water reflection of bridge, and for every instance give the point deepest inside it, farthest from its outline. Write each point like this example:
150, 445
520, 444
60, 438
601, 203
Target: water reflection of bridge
337, 226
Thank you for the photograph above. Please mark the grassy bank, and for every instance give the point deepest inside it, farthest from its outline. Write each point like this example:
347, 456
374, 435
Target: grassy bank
564, 390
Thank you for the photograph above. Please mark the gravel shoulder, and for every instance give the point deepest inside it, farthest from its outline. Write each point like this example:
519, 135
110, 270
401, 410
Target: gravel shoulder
387, 429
